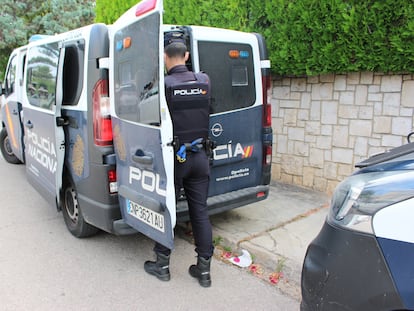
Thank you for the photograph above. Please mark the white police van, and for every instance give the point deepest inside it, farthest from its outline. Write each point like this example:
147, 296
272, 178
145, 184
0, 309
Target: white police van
86, 112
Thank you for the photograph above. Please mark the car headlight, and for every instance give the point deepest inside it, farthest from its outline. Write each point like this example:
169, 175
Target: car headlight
360, 196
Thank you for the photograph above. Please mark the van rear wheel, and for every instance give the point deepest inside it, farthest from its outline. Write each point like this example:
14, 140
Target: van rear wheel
72, 214
6, 149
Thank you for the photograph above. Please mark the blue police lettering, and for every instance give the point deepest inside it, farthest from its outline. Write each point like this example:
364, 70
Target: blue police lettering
222, 152
42, 150
149, 180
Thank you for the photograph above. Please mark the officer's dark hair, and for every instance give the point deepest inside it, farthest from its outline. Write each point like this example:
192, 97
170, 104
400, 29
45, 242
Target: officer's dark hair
176, 49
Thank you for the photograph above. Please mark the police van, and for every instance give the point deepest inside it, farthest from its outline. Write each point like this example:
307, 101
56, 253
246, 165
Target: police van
85, 111
362, 258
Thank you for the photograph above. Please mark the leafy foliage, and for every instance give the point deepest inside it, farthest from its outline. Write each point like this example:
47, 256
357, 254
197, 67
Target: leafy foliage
108, 11
307, 36
303, 36
312, 37
20, 19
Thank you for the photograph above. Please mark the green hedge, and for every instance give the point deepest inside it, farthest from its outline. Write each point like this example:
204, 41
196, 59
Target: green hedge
307, 36
312, 37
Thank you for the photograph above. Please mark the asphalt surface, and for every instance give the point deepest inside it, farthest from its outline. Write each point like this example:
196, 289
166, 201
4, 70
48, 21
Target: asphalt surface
37, 249
43, 267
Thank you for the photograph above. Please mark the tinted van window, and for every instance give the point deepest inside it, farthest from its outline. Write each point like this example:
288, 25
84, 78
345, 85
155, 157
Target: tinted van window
11, 76
230, 67
41, 75
137, 70
73, 72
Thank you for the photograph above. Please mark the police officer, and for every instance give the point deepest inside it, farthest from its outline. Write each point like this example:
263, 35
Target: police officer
188, 98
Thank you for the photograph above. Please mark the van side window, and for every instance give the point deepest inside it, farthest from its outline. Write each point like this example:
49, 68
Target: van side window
11, 76
22, 70
41, 75
73, 73
137, 70
231, 71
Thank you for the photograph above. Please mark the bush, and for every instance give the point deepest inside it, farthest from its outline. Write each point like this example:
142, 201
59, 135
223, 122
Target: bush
309, 36
312, 37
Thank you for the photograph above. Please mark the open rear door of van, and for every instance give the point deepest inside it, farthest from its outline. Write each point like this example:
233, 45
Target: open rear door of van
12, 107
43, 122
142, 127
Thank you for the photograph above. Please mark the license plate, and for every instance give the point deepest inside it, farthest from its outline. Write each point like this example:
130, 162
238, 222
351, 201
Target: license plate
151, 218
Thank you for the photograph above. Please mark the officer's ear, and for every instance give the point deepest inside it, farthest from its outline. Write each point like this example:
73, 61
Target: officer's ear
186, 56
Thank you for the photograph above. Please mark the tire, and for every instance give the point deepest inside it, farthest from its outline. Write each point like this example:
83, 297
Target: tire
72, 213
6, 149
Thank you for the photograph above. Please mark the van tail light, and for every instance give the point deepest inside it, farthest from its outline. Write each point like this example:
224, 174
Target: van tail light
267, 118
113, 184
267, 155
145, 6
267, 107
102, 124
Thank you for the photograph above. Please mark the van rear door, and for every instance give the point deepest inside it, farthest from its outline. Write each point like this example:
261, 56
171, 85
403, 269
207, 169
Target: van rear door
11, 110
44, 134
233, 60
142, 127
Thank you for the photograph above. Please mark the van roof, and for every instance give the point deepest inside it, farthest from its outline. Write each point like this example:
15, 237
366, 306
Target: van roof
73, 34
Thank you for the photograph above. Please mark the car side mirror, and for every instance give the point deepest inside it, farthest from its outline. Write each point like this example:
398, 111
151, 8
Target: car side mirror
2, 89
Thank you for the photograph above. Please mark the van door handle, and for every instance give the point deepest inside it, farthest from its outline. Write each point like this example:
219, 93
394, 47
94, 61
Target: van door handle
29, 124
142, 158
15, 112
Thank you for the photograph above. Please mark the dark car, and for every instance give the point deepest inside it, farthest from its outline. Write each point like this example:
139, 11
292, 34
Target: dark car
363, 257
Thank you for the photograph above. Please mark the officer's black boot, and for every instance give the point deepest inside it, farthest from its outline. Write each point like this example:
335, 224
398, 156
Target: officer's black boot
159, 268
201, 271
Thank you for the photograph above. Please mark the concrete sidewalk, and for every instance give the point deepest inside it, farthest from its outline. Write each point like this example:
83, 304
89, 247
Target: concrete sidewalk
276, 232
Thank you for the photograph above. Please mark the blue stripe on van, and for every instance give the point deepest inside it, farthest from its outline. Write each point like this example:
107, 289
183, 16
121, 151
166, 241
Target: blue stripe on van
400, 258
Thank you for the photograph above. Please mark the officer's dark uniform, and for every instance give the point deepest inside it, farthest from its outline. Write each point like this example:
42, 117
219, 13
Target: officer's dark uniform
188, 97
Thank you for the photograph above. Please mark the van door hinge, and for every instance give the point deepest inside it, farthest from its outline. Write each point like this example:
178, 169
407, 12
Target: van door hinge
103, 63
62, 121
174, 143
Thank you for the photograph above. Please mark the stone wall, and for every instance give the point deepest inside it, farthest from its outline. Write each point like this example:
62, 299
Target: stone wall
324, 125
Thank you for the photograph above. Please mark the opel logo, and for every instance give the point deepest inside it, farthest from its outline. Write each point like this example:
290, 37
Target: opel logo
216, 130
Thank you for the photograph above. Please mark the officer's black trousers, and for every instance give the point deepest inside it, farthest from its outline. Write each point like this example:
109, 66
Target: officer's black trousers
193, 176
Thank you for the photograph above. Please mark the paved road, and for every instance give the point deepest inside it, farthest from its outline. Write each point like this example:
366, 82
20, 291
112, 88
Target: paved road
42, 267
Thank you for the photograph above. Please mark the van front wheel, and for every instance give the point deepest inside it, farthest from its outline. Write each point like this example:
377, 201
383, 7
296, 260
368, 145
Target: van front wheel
6, 149
72, 214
